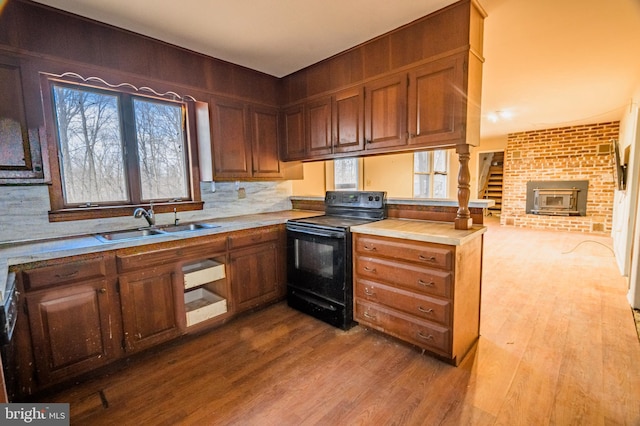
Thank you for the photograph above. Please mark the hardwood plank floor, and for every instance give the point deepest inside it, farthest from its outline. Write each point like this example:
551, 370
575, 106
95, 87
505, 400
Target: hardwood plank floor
558, 346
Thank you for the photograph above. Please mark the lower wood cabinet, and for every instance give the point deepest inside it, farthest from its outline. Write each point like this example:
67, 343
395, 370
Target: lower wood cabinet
257, 267
424, 293
254, 276
150, 314
83, 312
73, 329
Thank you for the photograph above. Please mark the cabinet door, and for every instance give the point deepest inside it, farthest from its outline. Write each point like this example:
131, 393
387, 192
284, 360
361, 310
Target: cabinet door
348, 120
231, 140
20, 150
264, 143
149, 308
293, 145
318, 127
71, 329
386, 113
255, 276
436, 105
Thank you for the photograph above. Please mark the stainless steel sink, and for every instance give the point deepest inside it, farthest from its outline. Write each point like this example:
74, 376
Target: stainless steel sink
128, 235
188, 227
150, 232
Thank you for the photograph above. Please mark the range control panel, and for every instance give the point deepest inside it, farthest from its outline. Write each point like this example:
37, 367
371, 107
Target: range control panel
359, 199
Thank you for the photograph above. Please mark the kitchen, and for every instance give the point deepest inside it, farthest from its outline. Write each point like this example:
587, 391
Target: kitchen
225, 200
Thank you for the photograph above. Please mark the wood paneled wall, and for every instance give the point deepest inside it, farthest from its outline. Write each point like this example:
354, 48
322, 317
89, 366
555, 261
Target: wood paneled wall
438, 34
54, 40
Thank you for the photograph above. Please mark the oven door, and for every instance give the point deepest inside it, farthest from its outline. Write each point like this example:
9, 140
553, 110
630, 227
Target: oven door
316, 261
318, 274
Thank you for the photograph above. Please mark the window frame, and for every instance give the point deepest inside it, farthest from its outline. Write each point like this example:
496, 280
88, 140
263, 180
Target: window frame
432, 173
60, 211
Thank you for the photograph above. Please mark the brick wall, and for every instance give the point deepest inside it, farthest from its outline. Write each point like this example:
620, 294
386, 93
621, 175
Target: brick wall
567, 153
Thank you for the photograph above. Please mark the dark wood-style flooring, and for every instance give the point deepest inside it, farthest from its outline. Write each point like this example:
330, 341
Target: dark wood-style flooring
558, 347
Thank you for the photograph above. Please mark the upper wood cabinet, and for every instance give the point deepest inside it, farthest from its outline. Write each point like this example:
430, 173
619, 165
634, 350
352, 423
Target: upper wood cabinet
231, 142
386, 112
245, 140
264, 142
293, 145
322, 127
348, 120
21, 158
422, 89
319, 140
436, 108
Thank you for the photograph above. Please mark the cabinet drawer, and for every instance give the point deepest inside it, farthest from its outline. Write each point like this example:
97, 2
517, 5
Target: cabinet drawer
255, 236
405, 275
66, 273
424, 334
432, 255
424, 307
128, 261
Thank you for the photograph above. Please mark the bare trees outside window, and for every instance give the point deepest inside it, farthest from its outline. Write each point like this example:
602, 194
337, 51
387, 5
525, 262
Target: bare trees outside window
118, 148
160, 137
90, 141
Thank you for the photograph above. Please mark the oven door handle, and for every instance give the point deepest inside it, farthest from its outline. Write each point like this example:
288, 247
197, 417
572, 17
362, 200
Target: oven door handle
317, 232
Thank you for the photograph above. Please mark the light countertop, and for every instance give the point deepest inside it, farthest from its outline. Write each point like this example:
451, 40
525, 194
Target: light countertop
19, 253
420, 230
434, 202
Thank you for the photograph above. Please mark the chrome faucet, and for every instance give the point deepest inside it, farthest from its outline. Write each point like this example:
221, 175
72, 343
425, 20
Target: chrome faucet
148, 215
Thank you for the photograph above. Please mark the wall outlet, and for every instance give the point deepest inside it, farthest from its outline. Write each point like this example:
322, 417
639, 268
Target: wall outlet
242, 193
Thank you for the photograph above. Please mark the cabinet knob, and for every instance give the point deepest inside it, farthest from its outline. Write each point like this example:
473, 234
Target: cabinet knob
102, 290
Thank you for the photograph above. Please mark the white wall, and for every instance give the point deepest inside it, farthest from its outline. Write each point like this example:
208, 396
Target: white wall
626, 215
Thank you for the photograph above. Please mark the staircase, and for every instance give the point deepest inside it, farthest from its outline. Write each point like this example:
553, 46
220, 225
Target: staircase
493, 188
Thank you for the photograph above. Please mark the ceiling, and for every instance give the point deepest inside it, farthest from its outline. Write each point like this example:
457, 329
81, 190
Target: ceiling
549, 63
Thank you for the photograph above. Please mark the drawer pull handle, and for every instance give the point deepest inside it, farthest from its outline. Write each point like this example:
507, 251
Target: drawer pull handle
427, 337
102, 290
367, 248
426, 311
69, 275
368, 292
373, 270
426, 284
427, 259
369, 316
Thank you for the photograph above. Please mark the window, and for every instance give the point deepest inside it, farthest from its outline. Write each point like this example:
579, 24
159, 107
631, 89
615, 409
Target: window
119, 149
430, 174
345, 174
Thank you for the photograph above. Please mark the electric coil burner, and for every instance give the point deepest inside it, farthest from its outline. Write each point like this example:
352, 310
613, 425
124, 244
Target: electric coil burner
319, 270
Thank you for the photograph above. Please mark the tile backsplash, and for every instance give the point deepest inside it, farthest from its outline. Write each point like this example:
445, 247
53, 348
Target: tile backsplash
24, 209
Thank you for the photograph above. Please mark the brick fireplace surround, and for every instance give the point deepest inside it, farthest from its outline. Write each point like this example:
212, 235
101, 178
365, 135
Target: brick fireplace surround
569, 153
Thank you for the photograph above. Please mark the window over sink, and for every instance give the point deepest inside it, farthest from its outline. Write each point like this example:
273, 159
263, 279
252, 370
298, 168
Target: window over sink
118, 148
